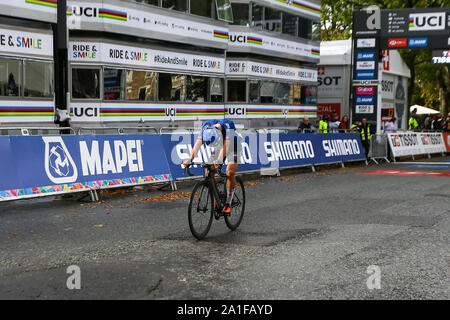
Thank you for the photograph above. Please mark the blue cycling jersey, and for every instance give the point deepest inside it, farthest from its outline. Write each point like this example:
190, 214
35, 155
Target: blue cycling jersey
225, 125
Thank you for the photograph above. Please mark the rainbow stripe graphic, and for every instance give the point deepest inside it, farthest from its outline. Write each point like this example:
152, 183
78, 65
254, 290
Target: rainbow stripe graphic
69, 11
315, 52
221, 34
306, 7
45, 3
113, 14
90, 185
7, 111
131, 112
254, 40
264, 111
191, 112
411, 22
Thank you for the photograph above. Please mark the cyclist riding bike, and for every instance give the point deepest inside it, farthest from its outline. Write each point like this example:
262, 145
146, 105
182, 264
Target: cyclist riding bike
221, 136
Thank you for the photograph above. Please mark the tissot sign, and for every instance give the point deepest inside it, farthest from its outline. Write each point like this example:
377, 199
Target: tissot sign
375, 30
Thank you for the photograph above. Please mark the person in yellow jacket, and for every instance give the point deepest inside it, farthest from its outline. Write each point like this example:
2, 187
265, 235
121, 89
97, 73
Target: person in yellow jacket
413, 123
323, 124
365, 136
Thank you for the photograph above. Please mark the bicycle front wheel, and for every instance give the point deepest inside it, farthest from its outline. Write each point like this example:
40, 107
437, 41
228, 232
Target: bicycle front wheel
238, 206
200, 211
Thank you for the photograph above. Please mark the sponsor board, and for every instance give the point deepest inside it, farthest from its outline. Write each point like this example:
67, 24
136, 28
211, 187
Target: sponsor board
266, 70
365, 56
265, 42
441, 57
387, 86
330, 81
446, 137
417, 42
397, 43
364, 109
136, 56
26, 43
36, 165
366, 43
365, 91
427, 21
126, 20
260, 151
412, 143
365, 65
365, 74
365, 99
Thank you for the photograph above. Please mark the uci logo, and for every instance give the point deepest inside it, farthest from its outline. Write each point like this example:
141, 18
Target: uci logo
86, 11
238, 111
59, 165
88, 112
238, 38
427, 21
171, 112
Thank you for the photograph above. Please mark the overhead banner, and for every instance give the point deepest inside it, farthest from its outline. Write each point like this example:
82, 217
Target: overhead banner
266, 151
234, 111
128, 55
106, 16
19, 43
266, 70
306, 8
415, 143
262, 41
35, 165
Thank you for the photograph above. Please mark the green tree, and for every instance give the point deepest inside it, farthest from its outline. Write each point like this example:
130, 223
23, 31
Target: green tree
427, 80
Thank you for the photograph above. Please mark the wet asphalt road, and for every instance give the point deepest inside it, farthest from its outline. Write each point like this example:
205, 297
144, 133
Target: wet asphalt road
304, 236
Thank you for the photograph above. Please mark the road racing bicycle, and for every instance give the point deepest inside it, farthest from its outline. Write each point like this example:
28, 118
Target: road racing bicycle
208, 199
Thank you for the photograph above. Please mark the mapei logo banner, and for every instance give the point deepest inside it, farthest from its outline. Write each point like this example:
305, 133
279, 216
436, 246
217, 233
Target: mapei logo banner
365, 56
427, 21
418, 42
89, 161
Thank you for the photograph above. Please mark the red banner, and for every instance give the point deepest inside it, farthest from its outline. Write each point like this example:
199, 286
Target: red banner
325, 107
447, 140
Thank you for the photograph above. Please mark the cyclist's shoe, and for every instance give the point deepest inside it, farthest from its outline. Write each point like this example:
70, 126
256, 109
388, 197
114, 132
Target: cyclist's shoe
226, 211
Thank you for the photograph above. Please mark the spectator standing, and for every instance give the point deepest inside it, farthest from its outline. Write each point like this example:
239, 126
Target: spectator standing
345, 123
365, 136
305, 126
413, 124
356, 127
390, 126
427, 122
323, 124
334, 123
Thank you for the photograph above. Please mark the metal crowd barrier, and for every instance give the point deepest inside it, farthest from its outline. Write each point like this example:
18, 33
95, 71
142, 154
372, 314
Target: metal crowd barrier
379, 148
31, 131
116, 130
165, 130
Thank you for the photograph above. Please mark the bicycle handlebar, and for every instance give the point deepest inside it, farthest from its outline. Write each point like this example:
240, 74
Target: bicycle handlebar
204, 165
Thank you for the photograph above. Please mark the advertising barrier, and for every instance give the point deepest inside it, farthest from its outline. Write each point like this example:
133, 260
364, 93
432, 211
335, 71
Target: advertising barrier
37, 165
265, 151
447, 140
33, 166
415, 143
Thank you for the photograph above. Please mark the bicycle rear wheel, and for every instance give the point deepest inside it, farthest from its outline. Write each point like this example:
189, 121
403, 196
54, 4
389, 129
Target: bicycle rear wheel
238, 206
200, 211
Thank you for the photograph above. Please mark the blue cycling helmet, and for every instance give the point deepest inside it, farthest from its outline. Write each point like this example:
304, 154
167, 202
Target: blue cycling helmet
212, 137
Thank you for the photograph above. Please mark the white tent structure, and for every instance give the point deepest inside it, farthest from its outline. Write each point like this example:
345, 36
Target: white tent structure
422, 110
